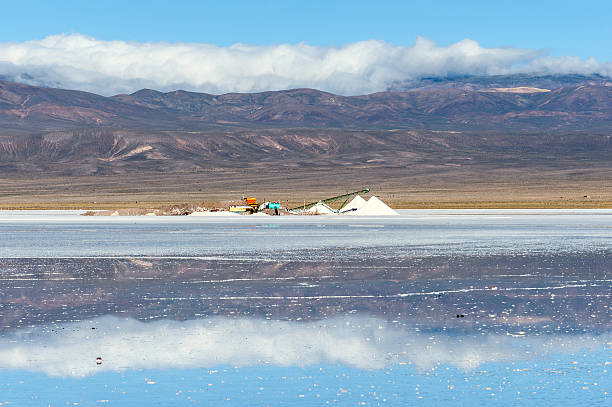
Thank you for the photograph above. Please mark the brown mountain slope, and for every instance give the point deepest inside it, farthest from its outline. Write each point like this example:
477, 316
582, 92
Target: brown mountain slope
579, 107
106, 151
437, 108
34, 107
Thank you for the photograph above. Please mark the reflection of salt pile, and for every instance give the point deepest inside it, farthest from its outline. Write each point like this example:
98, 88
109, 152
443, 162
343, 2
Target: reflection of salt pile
354, 205
321, 209
374, 207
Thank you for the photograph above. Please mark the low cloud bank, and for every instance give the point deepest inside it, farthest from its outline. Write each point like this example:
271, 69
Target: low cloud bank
109, 67
71, 349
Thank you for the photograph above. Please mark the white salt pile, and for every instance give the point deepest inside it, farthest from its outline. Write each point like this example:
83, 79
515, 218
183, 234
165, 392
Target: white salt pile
374, 207
356, 203
321, 209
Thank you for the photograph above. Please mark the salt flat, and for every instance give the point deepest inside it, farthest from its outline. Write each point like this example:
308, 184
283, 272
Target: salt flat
460, 306
66, 234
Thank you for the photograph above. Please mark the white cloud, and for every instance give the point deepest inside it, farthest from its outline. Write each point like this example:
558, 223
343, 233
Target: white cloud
109, 67
71, 349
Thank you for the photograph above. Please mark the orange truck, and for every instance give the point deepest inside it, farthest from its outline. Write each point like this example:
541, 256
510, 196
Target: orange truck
251, 206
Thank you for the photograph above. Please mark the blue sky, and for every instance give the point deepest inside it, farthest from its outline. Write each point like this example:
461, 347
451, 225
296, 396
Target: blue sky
561, 27
346, 47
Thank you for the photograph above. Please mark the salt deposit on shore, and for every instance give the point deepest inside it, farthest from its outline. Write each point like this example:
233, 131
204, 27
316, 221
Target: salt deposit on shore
374, 207
355, 204
216, 213
356, 207
321, 209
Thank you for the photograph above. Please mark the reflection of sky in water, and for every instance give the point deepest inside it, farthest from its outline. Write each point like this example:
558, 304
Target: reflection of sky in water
462, 307
70, 349
559, 380
346, 359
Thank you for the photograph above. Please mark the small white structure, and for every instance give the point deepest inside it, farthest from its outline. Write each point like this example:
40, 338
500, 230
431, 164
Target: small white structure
321, 209
374, 207
355, 204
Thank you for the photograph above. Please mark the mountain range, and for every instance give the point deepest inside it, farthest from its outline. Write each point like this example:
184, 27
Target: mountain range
495, 120
482, 103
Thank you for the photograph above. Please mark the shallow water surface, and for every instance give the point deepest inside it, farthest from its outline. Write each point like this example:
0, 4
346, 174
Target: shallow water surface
432, 307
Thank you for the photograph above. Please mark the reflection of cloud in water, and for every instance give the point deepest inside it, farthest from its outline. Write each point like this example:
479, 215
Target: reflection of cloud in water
367, 343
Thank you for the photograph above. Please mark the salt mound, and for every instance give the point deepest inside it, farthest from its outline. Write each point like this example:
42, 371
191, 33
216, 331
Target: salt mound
375, 207
321, 209
355, 204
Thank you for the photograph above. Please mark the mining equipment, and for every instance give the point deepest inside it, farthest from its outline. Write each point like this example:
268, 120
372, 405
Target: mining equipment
253, 206
344, 197
272, 205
